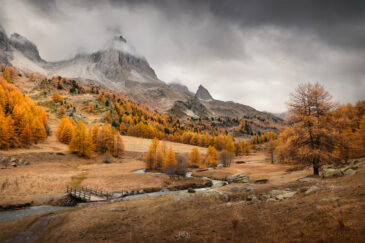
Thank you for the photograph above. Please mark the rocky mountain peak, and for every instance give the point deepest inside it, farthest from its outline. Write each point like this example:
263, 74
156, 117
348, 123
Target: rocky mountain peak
203, 94
25, 46
4, 41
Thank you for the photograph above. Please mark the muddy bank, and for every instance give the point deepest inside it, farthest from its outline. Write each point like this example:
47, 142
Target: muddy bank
15, 206
187, 183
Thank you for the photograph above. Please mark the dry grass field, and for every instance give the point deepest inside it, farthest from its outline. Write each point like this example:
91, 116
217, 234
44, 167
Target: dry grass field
333, 214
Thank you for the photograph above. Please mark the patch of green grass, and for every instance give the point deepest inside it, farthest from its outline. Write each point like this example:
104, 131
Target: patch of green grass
50, 105
77, 180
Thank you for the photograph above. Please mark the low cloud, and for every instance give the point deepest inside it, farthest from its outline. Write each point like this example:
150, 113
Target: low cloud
251, 52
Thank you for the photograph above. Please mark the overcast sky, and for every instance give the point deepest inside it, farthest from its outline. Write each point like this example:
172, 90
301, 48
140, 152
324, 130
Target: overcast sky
252, 52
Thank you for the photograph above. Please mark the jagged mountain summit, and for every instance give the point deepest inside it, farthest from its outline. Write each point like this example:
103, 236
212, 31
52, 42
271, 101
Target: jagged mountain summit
203, 94
25, 46
118, 68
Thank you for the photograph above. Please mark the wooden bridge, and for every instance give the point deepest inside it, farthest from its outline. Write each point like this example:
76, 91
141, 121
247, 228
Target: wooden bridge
88, 194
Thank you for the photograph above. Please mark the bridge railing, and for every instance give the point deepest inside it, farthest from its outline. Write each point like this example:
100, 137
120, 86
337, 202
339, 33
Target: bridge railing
85, 193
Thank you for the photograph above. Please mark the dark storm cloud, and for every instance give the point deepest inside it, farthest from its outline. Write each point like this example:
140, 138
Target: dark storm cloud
254, 52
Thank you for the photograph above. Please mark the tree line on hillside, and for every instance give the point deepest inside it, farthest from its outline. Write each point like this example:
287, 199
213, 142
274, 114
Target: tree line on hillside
135, 119
22, 122
159, 158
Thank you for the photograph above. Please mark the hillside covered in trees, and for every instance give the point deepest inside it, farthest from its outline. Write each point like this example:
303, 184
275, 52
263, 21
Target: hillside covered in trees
22, 122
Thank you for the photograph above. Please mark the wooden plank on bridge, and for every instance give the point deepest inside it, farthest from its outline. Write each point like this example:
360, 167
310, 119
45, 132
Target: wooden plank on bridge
88, 195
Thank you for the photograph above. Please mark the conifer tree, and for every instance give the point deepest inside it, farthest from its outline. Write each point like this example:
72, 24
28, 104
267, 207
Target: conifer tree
211, 157
195, 157
170, 161
26, 135
151, 156
94, 134
81, 142
4, 136
311, 136
91, 108
118, 145
61, 111
38, 131
105, 139
122, 128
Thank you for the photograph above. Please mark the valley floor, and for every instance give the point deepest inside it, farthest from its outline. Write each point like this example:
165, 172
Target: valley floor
230, 213
280, 210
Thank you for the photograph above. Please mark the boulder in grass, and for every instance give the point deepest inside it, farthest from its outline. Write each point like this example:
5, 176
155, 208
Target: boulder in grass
331, 172
311, 190
239, 178
349, 171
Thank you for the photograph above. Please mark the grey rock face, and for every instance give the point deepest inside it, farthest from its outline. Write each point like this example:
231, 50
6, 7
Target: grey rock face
25, 46
4, 46
203, 94
4, 41
180, 87
117, 65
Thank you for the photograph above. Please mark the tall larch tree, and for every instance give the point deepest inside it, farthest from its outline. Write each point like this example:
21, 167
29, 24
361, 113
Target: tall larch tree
151, 155
195, 157
170, 161
211, 157
81, 142
310, 137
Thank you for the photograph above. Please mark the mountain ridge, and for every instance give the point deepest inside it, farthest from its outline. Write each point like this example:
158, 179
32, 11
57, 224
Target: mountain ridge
115, 69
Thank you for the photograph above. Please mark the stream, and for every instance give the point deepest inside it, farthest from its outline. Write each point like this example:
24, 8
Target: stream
166, 191
10, 215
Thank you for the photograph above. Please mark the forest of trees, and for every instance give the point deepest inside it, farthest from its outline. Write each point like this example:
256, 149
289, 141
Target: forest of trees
159, 158
320, 132
134, 119
83, 141
22, 122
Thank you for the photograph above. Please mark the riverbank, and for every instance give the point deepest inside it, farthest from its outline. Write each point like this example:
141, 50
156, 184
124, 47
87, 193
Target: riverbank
331, 213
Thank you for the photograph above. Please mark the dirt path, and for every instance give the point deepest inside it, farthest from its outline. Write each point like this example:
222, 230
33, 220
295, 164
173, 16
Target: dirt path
35, 230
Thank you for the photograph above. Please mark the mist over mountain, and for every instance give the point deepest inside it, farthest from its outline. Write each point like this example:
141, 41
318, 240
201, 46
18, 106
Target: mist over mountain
116, 68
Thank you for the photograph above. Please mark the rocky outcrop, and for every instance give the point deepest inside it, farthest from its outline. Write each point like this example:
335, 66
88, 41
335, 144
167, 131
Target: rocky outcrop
25, 46
4, 41
349, 171
330, 173
9, 162
181, 88
239, 178
191, 108
203, 94
311, 190
4, 47
282, 194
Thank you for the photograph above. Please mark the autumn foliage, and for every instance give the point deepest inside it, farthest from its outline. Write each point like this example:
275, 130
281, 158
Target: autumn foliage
211, 157
319, 132
22, 122
195, 157
83, 141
